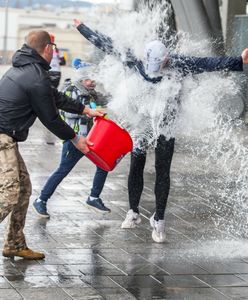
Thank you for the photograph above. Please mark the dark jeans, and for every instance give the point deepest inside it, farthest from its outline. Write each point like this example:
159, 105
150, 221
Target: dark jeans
69, 158
163, 157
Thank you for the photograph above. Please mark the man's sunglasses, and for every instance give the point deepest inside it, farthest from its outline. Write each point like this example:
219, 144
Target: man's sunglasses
53, 45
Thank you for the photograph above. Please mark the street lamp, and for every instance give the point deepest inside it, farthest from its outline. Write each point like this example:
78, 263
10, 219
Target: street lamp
5, 38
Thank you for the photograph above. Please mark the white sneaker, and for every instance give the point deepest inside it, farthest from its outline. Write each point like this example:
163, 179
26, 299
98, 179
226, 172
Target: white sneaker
158, 233
132, 220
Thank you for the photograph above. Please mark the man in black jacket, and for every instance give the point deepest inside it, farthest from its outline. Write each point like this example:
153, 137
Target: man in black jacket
154, 70
26, 93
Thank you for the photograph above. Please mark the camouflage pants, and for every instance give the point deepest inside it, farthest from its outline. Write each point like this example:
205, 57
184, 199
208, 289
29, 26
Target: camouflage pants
15, 190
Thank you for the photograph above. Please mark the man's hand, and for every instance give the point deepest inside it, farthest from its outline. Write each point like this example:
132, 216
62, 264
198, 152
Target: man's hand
93, 112
245, 56
81, 143
77, 22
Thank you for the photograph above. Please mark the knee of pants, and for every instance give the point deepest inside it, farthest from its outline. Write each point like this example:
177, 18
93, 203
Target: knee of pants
9, 193
163, 180
59, 174
162, 171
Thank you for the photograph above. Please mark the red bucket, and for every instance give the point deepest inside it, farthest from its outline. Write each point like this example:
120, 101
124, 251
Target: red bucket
111, 143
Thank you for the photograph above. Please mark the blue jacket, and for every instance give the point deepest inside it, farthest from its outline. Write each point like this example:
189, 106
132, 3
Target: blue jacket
184, 64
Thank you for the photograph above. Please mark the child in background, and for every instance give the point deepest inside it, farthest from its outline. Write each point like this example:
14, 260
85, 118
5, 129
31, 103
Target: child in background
83, 90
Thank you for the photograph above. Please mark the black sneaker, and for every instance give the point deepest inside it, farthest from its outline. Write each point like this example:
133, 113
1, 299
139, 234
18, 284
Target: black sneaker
98, 205
40, 208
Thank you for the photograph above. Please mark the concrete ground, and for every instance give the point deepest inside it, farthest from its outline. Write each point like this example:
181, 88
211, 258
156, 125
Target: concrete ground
88, 255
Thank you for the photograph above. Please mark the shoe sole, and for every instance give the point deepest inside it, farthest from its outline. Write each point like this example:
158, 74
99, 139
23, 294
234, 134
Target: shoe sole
28, 258
128, 227
8, 256
40, 215
97, 210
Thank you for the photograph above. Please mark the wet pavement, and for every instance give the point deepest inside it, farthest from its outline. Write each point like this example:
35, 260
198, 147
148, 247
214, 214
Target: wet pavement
88, 255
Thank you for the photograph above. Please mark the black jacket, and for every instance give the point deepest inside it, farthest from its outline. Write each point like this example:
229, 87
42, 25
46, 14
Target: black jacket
26, 93
184, 64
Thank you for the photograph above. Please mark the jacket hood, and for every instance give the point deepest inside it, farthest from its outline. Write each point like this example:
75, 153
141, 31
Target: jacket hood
26, 56
83, 90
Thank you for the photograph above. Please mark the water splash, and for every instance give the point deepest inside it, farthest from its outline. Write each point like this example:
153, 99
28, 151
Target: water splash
213, 136
230, 249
